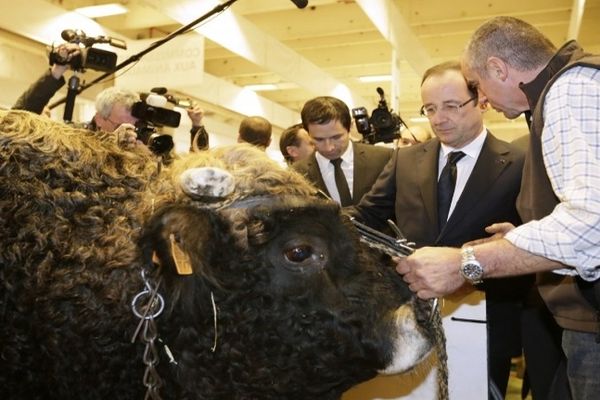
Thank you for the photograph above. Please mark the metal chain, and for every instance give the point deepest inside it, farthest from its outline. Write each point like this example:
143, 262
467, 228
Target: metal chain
152, 305
151, 379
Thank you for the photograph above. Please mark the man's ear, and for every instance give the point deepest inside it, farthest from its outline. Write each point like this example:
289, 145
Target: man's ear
497, 68
292, 151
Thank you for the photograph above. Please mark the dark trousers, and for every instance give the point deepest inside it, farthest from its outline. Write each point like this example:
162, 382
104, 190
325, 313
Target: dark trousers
545, 361
504, 340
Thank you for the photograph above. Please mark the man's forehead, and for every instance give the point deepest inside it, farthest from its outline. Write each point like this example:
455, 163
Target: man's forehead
120, 110
328, 128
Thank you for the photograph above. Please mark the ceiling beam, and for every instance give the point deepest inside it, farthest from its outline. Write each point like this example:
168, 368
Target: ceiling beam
239, 100
396, 30
240, 36
46, 24
405, 44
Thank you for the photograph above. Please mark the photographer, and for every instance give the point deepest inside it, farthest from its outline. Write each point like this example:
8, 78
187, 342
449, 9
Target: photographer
113, 105
113, 108
113, 114
37, 96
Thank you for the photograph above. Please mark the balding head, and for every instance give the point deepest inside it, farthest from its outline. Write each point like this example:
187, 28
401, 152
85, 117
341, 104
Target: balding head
256, 131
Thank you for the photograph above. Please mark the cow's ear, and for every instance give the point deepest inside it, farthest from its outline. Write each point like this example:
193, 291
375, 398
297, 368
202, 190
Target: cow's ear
178, 238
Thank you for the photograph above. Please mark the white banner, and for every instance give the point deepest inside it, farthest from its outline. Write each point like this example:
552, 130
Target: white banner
175, 64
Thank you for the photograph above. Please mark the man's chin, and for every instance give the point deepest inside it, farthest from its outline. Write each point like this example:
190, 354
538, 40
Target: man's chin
511, 114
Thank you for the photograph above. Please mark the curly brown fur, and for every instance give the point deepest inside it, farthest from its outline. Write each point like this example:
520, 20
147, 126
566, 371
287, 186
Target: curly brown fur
303, 310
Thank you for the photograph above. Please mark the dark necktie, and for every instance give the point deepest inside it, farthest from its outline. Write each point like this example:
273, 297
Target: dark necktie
341, 183
446, 185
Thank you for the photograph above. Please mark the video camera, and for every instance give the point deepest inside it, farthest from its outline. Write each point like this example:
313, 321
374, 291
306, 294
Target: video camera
152, 115
382, 126
89, 57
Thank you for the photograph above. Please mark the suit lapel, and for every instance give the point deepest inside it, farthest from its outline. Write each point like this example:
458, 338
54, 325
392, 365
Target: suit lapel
314, 174
493, 159
426, 166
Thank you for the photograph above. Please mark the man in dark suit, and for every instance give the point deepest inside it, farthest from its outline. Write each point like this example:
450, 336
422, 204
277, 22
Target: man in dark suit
487, 178
327, 120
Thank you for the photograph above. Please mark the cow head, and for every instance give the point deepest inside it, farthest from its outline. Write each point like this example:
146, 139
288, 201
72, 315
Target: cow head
303, 309
269, 293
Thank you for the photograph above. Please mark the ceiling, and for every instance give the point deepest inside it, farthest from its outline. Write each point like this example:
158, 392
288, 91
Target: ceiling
330, 43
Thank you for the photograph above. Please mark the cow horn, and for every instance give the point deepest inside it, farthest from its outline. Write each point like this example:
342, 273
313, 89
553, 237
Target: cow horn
207, 182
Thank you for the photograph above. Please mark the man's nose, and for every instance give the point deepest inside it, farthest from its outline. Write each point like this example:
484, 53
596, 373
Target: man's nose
329, 144
438, 117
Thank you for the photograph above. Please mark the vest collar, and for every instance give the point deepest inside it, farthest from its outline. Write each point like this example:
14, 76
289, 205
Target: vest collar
533, 90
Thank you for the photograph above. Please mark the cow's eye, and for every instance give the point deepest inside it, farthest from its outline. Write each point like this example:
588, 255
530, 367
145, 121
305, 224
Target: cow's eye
298, 254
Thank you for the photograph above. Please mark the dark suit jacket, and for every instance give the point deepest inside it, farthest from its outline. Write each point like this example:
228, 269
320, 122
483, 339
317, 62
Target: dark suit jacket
369, 161
408, 187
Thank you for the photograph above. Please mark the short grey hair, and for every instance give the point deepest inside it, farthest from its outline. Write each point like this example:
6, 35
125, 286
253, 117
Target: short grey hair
109, 97
514, 41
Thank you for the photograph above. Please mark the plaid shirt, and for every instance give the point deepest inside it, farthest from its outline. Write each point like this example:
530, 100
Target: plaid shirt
571, 151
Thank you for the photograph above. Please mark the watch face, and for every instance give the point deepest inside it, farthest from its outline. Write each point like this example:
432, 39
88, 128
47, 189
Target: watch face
472, 271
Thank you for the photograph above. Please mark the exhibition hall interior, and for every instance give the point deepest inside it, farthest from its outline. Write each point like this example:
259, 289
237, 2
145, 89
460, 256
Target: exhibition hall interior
267, 58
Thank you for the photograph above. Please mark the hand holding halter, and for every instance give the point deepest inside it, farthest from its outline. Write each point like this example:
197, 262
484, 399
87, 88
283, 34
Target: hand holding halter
394, 247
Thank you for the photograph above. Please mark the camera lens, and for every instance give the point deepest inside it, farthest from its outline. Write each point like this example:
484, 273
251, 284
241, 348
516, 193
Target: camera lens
160, 143
382, 119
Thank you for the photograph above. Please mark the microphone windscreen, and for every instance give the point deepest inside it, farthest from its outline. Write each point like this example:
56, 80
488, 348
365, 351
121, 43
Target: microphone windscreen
159, 90
68, 35
300, 3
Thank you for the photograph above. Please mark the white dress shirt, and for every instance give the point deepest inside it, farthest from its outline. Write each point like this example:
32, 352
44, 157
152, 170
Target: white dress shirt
328, 171
464, 166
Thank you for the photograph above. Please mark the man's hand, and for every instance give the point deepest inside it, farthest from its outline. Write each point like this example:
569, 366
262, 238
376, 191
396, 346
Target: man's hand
496, 230
431, 271
65, 51
127, 137
196, 114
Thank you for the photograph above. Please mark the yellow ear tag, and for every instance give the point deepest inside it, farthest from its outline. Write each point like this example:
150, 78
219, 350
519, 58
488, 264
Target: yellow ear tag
182, 260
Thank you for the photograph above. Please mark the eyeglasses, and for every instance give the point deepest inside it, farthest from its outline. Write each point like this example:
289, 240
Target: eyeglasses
453, 109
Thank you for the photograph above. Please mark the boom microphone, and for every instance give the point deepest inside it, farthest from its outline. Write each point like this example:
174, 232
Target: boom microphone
107, 39
300, 3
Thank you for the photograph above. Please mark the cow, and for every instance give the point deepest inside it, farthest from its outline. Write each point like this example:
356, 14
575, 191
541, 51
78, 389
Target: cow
221, 276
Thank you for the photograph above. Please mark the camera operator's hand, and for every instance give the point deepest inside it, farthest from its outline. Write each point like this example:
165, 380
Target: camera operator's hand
65, 52
127, 137
196, 114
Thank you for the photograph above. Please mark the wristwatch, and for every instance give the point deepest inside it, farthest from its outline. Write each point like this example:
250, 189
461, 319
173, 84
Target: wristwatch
470, 268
